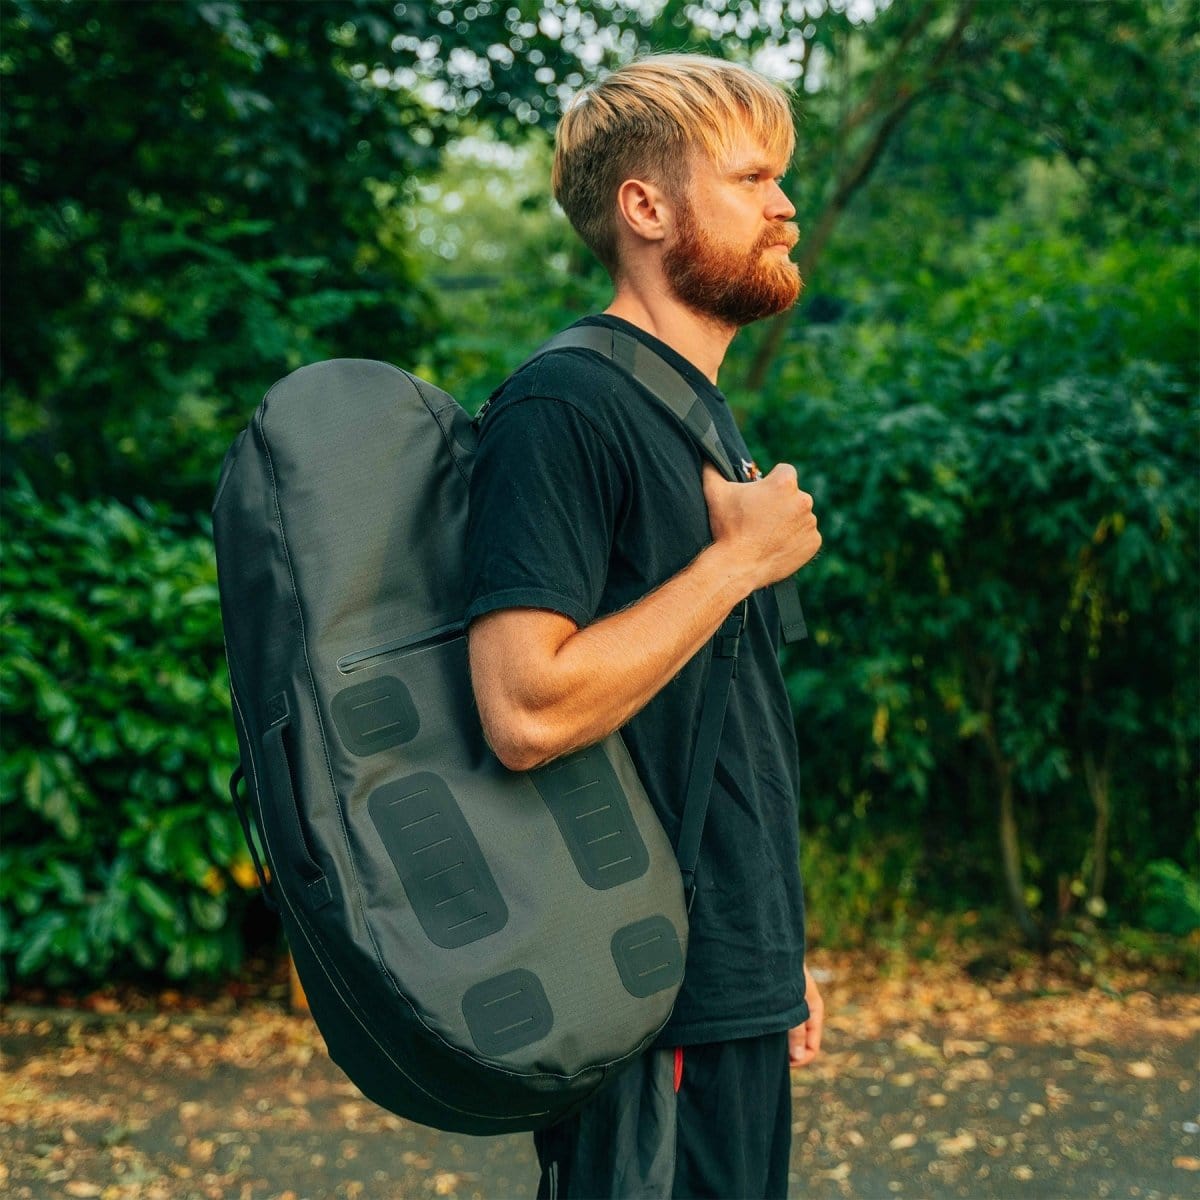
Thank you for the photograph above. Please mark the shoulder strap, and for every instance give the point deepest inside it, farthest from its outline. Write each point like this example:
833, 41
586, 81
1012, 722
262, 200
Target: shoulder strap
721, 673
656, 375
674, 392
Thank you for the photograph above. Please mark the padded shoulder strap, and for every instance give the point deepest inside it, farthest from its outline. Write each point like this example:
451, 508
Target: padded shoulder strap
674, 392
656, 375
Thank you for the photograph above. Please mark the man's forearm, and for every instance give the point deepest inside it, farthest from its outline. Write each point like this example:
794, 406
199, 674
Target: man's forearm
581, 684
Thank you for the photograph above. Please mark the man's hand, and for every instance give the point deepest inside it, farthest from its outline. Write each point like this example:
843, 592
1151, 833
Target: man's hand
804, 1042
769, 523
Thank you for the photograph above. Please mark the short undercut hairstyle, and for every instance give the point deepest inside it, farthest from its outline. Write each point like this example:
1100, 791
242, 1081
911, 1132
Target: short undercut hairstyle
646, 121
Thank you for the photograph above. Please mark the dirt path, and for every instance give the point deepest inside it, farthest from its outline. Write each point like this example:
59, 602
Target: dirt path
930, 1086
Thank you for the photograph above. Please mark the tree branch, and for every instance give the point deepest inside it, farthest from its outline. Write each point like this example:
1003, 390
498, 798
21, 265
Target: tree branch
853, 178
870, 103
1074, 153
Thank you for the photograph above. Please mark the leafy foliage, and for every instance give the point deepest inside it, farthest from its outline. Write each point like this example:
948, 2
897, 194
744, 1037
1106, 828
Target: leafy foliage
1172, 898
121, 852
190, 211
1004, 606
507, 268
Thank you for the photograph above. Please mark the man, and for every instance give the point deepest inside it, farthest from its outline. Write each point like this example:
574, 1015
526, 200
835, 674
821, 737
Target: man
606, 555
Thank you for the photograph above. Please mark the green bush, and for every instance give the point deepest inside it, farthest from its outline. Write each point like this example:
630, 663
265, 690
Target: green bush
1172, 898
862, 896
121, 853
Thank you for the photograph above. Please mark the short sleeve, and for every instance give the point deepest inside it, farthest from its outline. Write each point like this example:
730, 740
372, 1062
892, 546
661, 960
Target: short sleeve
545, 493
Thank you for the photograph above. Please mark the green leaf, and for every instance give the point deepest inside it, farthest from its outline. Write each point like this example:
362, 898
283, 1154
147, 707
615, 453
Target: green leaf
155, 902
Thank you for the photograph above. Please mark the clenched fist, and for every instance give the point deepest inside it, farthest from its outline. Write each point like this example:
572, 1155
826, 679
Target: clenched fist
767, 525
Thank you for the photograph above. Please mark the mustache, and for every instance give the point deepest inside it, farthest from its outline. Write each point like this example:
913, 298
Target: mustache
785, 233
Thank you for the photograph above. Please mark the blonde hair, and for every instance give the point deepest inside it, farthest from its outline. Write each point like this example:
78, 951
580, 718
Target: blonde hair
647, 120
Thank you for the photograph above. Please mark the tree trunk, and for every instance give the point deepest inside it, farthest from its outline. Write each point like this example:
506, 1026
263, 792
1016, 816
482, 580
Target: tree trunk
984, 685
814, 245
1098, 780
1010, 854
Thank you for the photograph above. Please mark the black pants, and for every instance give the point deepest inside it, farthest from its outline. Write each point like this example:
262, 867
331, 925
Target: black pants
712, 1121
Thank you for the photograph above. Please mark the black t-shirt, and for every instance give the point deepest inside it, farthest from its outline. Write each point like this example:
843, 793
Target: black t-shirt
585, 496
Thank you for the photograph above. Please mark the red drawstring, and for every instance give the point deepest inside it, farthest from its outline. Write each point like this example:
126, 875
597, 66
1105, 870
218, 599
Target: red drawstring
678, 1067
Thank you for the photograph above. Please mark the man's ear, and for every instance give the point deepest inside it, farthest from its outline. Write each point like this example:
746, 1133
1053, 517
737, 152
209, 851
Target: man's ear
645, 210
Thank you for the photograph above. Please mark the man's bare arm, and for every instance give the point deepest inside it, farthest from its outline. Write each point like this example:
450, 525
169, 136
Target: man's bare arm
546, 687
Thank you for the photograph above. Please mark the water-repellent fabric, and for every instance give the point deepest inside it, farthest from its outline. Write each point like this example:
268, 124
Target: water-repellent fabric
585, 496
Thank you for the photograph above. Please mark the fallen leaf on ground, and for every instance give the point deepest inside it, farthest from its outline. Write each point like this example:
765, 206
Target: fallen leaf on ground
952, 1046
957, 1145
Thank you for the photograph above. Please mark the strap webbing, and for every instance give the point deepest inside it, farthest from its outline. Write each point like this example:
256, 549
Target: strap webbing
708, 740
791, 615
239, 806
656, 375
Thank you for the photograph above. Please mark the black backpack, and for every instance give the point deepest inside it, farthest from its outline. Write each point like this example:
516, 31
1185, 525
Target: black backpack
481, 949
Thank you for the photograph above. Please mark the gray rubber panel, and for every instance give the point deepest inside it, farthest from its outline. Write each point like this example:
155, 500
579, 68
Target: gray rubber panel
444, 873
592, 813
375, 715
648, 956
508, 1012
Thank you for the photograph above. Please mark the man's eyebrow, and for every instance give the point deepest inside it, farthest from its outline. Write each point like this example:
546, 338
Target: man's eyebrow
758, 166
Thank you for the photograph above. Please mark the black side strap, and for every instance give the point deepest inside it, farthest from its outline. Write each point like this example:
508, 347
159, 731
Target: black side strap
674, 392
239, 806
708, 739
292, 843
791, 615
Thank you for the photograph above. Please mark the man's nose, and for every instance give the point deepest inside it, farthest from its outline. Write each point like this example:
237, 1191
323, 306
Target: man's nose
779, 207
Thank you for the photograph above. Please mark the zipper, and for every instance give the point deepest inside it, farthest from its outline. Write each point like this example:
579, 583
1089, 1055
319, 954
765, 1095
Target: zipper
358, 659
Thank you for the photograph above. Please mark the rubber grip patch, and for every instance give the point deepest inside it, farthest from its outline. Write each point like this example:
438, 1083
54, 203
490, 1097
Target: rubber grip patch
445, 875
592, 813
648, 956
375, 715
507, 1012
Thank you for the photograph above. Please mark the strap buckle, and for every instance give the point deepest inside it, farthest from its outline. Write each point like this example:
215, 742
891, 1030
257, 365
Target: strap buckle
729, 636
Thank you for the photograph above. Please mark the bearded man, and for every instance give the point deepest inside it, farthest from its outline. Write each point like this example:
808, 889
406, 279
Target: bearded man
606, 553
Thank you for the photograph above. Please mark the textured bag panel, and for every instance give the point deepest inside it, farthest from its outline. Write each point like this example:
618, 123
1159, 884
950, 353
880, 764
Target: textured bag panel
537, 902
374, 503
479, 947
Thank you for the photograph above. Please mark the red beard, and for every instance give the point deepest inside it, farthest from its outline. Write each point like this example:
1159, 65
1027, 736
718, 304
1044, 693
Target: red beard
732, 285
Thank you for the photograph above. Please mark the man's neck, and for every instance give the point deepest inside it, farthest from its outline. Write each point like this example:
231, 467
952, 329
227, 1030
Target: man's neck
701, 340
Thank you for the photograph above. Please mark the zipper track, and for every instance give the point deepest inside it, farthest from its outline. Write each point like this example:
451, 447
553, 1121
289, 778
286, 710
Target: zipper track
356, 660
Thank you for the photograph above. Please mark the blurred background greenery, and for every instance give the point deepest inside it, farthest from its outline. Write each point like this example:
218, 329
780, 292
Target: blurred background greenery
990, 387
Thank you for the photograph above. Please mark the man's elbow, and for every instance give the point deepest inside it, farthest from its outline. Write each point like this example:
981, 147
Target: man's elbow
520, 743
